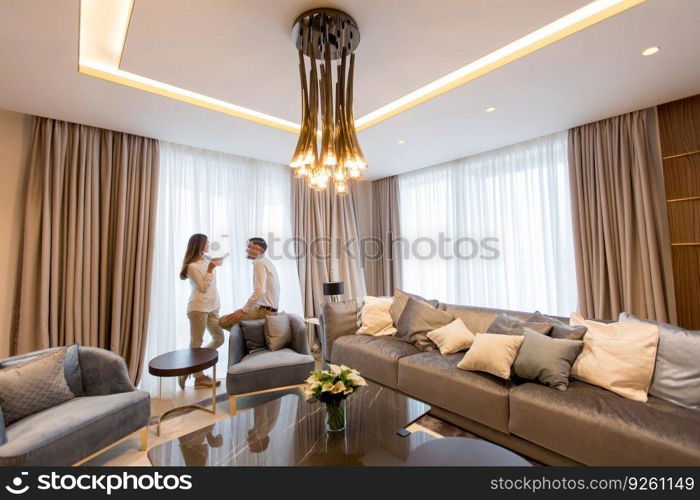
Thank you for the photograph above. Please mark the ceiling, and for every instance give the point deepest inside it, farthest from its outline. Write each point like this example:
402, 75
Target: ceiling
240, 51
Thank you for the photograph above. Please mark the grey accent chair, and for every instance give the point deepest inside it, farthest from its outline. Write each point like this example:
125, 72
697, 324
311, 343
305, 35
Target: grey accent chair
106, 411
264, 370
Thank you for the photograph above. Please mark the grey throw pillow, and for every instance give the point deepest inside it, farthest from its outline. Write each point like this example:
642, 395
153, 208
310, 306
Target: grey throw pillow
400, 301
253, 331
417, 320
508, 325
560, 330
33, 386
546, 359
339, 319
71, 367
677, 369
278, 331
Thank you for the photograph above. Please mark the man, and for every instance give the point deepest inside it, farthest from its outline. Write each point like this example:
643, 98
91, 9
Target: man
266, 289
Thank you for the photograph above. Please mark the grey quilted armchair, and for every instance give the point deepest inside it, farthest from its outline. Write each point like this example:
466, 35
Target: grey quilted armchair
264, 370
106, 410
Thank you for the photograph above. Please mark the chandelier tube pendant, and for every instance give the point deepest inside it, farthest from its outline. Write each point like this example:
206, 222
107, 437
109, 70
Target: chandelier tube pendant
327, 150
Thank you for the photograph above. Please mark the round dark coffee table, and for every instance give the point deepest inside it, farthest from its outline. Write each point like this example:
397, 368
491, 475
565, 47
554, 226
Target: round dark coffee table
464, 452
184, 362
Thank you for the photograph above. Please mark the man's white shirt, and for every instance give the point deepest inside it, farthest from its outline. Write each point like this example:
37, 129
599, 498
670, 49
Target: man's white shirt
266, 284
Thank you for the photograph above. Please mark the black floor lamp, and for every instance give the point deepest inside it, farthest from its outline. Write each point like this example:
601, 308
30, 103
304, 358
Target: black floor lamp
334, 289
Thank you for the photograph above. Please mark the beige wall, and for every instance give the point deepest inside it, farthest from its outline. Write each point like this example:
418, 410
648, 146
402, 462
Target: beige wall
15, 132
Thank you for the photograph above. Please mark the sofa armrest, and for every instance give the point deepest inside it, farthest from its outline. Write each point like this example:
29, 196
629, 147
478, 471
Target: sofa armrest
236, 345
103, 372
338, 319
3, 434
300, 340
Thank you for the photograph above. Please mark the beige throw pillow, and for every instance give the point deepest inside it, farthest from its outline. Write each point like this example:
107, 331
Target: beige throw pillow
492, 353
375, 317
453, 337
618, 357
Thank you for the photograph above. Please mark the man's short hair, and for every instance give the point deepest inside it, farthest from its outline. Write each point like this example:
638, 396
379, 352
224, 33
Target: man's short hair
259, 242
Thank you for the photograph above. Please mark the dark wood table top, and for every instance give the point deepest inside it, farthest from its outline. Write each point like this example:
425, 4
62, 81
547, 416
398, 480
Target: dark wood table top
183, 362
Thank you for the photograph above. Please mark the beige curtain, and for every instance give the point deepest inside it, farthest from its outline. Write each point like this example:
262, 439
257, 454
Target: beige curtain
88, 243
328, 246
620, 225
385, 265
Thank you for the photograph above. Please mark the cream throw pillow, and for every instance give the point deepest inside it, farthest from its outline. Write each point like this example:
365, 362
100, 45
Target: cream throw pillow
618, 357
452, 338
375, 317
492, 353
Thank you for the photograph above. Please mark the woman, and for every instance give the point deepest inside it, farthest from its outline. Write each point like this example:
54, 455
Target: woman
203, 307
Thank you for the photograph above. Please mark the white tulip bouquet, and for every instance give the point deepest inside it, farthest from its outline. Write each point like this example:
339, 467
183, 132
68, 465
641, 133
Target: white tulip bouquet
331, 387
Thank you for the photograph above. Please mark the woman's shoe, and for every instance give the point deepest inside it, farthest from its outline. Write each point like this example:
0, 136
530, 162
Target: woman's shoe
205, 381
181, 381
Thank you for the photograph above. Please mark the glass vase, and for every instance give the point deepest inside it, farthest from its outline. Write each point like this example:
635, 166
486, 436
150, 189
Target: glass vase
335, 416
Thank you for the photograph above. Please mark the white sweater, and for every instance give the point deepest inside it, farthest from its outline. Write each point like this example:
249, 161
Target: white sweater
204, 296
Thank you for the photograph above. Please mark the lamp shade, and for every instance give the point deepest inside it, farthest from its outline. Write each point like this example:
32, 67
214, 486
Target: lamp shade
334, 288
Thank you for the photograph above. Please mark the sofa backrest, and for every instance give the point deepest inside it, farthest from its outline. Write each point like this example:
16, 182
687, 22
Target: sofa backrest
478, 319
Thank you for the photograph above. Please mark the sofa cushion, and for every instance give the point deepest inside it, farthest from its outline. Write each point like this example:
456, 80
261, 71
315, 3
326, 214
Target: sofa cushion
509, 325
417, 319
677, 371
375, 317
69, 432
339, 319
266, 369
30, 387
618, 357
278, 331
546, 359
596, 427
374, 357
71, 366
253, 331
560, 329
400, 301
435, 379
478, 319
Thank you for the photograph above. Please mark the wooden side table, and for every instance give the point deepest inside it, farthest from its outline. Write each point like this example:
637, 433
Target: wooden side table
184, 362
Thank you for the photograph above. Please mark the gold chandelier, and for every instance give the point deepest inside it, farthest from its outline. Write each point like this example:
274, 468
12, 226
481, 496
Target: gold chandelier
327, 150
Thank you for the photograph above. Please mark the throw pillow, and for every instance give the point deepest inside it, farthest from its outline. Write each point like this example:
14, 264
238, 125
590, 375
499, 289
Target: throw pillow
375, 317
400, 300
508, 325
618, 357
492, 353
417, 319
453, 337
560, 330
677, 369
253, 331
338, 319
278, 331
546, 359
31, 387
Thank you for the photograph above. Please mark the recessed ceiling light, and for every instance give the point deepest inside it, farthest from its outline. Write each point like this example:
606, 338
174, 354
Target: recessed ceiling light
650, 51
400, 142
490, 110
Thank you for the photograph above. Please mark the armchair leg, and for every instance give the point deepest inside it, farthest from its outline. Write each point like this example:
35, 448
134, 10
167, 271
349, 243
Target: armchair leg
144, 439
232, 405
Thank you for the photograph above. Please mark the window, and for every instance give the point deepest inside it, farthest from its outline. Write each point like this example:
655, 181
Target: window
492, 230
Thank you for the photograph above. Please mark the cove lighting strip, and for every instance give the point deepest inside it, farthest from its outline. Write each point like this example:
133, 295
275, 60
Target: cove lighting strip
114, 17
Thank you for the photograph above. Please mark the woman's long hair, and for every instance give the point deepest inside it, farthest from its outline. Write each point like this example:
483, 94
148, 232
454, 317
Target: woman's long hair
195, 248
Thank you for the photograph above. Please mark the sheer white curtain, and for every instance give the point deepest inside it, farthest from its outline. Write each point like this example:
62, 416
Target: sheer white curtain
492, 230
230, 199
